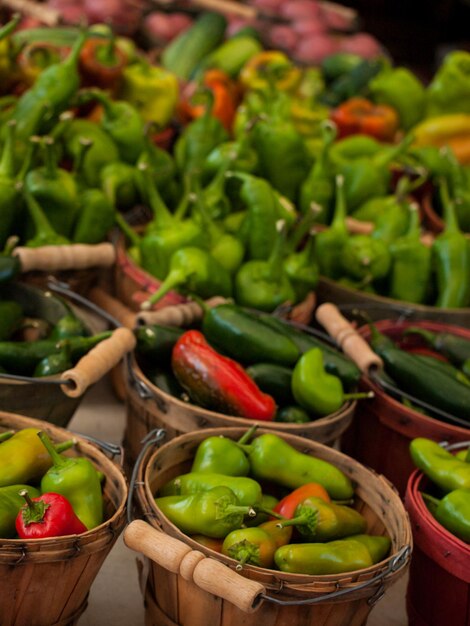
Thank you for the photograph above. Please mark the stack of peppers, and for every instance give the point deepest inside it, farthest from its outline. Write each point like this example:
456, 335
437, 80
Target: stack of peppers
43, 493
220, 503
248, 365
450, 477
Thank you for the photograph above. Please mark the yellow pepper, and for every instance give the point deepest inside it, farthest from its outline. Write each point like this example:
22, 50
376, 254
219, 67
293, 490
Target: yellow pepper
270, 68
447, 130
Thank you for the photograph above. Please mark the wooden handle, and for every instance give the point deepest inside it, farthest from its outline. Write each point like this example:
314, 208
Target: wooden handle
41, 12
157, 546
227, 6
76, 256
219, 580
352, 344
112, 306
178, 314
98, 362
208, 574
358, 227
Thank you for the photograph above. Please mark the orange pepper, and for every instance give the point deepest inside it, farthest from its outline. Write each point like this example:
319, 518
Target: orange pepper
289, 504
361, 116
225, 99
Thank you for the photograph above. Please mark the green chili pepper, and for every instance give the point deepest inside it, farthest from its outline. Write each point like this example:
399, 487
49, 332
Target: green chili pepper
363, 257
378, 547
460, 185
318, 188
446, 471
411, 264
196, 271
352, 83
274, 380
156, 342
453, 512
321, 521
119, 184
314, 389
220, 455
55, 190
214, 513
246, 159
264, 285
334, 557
53, 89
45, 234
354, 147
451, 252
247, 490
76, 479
302, 269
10, 505
272, 458
11, 314
455, 348
292, 415
393, 214
8, 185
244, 337
402, 90
54, 363
330, 243
23, 458
96, 217
449, 91
444, 366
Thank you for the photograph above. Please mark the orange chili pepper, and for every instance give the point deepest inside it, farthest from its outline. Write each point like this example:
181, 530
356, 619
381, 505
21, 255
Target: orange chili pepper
288, 505
102, 63
360, 116
225, 99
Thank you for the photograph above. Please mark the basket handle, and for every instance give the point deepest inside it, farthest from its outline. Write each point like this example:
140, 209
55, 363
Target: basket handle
179, 314
76, 256
352, 344
112, 306
97, 362
208, 574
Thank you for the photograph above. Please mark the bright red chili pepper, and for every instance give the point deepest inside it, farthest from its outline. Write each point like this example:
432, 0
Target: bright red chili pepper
102, 63
288, 505
360, 116
217, 382
50, 515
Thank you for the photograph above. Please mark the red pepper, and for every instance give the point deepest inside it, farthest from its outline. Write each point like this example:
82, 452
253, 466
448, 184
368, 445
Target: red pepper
102, 63
217, 382
50, 515
287, 506
360, 116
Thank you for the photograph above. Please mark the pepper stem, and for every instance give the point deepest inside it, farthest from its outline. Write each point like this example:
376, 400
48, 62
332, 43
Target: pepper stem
308, 518
174, 279
238, 508
427, 335
127, 230
72, 59
248, 435
50, 157
84, 144
450, 217
65, 445
10, 26
6, 435
431, 502
7, 162
33, 512
360, 395
339, 217
57, 459
162, 217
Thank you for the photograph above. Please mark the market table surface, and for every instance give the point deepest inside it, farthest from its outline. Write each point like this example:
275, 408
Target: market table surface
115, 596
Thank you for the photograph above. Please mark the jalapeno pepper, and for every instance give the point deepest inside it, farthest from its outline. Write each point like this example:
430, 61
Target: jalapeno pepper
455, 348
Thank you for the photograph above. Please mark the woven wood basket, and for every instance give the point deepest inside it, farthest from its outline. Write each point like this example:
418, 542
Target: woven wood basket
190, 585
45, 582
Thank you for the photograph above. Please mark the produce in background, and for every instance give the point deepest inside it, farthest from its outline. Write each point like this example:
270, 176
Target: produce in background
221, 505
451, 476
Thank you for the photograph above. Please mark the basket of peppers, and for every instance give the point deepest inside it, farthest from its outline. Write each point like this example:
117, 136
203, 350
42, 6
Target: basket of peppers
48, 355
225, 364
438, 502
273, 524
62, 507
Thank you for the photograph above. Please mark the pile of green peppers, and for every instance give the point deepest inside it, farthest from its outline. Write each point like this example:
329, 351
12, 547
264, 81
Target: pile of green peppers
306, 378
220, 503
30, 462
450, 476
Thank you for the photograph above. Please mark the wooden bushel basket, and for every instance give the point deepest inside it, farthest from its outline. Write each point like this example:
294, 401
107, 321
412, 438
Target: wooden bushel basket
439, 583
190, 585
45, 582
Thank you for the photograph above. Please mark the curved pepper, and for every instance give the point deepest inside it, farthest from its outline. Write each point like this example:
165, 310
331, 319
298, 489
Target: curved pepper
330, 242
247, 490
216, 382
453, 512
455, 348
334, 557
35, 57
442, 467
45, 235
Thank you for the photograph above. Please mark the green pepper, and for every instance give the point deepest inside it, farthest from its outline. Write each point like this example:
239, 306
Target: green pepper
301, 267
318, 187
167, 382
354, 147
156, 342
274, 380
247, 490
123, 123
330, 243
334, 557
11, 314
151, 90
220, 455
271, 458
119, 184
459, 179
76, 479
55, 190
451, 252
263, 511
69, 326
95, 219
411, 264
292, 415
102, 151
53, 90
393, 214
246, 159
231, 55
8, 186
314, 389
213, 513
321, 521
352, 83
446, 471
402, 90
362, 256
45, 235
455, 348
23, 458
54, 363
449, 91
336, 65
243, 337
453, 512
378, 547
196, 271
10, 505
250, 545
264, 285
